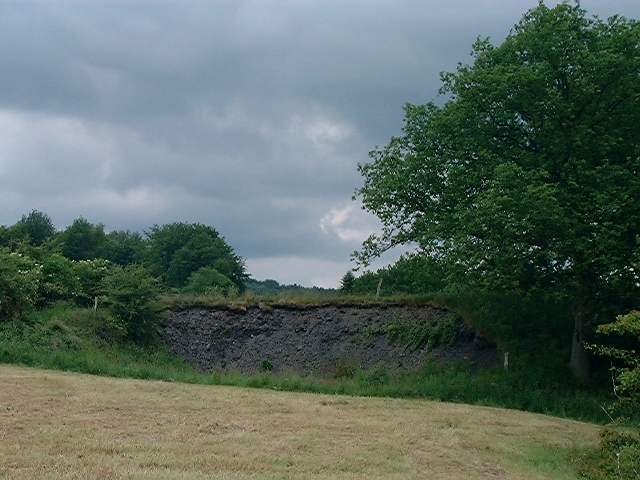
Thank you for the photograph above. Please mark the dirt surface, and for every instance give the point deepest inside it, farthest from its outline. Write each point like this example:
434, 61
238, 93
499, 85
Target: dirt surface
325, 340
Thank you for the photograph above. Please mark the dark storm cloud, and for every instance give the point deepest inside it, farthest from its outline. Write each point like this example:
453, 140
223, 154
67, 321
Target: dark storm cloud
249, 116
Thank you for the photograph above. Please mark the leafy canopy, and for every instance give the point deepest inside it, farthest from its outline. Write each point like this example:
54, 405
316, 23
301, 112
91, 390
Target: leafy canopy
177, 250
36, 228
527, 176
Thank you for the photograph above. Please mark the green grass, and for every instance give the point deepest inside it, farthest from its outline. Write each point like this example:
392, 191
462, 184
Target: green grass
248, 299
70, 339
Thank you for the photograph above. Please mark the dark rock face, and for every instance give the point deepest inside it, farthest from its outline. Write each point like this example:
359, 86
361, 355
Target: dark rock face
321, 340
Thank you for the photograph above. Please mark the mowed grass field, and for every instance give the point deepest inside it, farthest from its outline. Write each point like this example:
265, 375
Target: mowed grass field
56, 425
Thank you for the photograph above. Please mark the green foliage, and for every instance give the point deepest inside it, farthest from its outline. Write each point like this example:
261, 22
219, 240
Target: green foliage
5, 236
412, 274
89, 274
124, 247
425, 334
342, 368
206, 280
376, 377
619, 454
20, 278
60, 280
66, 338
617, 459
628, 373
82, 240
263, 287
347, 283
535, 329
127, 292
525, 179
177, 250
36, 228
271, 287
266, 365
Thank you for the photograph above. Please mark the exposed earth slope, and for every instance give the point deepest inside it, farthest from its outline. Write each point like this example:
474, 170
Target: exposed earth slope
324, 339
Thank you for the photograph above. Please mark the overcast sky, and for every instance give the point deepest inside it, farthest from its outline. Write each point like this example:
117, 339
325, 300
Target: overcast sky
248, 116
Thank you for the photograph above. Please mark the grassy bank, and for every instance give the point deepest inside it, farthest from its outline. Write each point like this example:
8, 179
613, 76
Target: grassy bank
75, 340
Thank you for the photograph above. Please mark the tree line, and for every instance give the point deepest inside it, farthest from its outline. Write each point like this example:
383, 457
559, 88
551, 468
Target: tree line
83, 264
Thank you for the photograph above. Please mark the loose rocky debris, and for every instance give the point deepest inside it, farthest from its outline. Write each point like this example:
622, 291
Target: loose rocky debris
319, 340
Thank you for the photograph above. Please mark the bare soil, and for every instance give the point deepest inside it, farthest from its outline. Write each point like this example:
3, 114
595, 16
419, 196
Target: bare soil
312, 339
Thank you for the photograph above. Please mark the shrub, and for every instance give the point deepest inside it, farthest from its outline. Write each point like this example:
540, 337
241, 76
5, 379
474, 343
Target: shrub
20, 276
376, 377
342, 368
619, 454
416, 336
266, 365
628, 372
617, 458
89, 274
347, 283
534, 328
206, 280
128, 292
59, 280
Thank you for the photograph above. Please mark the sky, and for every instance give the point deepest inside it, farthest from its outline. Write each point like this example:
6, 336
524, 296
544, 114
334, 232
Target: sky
247, 116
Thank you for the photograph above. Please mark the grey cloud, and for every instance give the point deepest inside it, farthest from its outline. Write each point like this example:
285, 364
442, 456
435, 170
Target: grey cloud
249, 116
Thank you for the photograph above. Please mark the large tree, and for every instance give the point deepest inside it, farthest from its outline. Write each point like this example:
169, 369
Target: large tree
177, 250
82, 240
526, 175
36, 228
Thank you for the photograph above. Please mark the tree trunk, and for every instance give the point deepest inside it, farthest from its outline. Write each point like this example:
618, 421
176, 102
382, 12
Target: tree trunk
583, 314
580, 362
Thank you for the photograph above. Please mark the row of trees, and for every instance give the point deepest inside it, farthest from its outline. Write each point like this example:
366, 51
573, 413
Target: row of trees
172, 252
125, 270
413, 274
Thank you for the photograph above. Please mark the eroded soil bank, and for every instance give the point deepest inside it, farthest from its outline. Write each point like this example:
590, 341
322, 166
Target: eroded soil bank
320, 340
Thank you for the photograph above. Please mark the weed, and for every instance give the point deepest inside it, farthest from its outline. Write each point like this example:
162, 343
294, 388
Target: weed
375, 377
266, 365
342, 368
416, 336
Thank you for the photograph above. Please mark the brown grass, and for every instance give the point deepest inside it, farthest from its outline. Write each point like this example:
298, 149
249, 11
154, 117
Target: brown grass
57, 425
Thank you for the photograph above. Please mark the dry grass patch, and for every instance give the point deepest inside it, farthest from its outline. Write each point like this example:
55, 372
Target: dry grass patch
56, 425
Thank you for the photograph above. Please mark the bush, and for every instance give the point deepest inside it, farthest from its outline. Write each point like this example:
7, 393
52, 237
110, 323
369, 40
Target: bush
20, 277
536, 329
619, 454
376, 377
89, 274
266, 365
128, 292
618, 457
628, 371
206, 280
59, 280
416, 336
